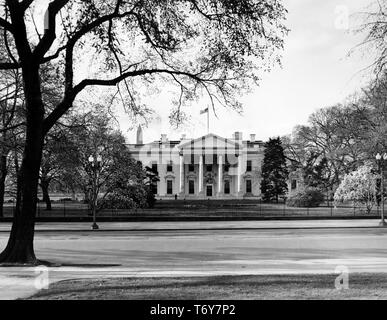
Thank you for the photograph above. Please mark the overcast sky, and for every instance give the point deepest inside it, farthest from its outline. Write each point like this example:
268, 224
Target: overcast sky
316, 73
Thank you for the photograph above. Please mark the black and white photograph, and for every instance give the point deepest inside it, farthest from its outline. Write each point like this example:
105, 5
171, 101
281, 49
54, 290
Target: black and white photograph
193, 153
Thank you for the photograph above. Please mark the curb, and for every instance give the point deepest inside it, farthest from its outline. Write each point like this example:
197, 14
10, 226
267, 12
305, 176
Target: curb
199, 229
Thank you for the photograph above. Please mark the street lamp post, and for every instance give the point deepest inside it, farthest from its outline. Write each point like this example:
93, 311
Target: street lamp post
95, 164
381, 160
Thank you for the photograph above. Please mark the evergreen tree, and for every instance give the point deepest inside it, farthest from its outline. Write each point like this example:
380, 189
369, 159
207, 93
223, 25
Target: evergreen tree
316, 172
274, 171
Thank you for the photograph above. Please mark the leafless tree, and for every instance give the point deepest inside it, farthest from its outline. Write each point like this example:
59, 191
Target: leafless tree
217, 47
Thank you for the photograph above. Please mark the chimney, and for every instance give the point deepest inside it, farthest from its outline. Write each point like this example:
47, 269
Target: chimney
139, 135
237, 136
164, 138
252, 137
183, 137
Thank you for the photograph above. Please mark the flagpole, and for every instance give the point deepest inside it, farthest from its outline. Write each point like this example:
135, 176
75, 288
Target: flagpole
208, 120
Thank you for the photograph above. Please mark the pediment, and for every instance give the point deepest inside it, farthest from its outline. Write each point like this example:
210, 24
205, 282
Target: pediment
211, 142
191, 175
169, 176
227, 176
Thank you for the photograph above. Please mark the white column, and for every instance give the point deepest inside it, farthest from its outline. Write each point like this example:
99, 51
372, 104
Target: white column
181, 185
200, 173
220, 173
239, 177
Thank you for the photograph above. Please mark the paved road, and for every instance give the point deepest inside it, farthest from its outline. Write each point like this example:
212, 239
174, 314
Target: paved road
199, 252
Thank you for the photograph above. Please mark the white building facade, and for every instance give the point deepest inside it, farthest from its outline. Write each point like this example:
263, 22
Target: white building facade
206, 167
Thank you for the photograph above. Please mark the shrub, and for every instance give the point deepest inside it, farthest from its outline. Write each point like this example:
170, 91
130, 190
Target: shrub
117, 201
309, 197
150, 198
65, 199
133, 197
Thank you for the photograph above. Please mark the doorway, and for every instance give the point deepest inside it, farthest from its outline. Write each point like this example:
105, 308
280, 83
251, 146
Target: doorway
209, 190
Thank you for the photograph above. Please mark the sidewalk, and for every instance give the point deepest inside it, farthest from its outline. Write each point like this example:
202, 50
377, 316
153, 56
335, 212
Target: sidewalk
200, 225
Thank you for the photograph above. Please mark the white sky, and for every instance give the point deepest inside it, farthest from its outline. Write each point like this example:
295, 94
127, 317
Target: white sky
316, 73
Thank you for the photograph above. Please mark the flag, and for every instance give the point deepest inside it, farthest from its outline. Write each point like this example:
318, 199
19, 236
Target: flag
204, 110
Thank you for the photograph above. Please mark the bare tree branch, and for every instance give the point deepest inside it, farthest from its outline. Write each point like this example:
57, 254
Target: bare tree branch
6, 25
25, 4
49, 35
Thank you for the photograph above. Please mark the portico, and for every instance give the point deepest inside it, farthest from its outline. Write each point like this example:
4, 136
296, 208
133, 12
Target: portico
210, 167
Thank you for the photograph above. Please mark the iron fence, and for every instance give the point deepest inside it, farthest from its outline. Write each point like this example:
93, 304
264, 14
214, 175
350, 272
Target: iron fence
202, 208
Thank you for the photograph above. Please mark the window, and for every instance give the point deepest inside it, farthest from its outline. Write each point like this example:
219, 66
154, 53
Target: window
191, 168
154, 187
209, 167
248, 166
227, 165
169, 187
248, 186
169, 166
227, 187
294, 184
154, 168
191, 186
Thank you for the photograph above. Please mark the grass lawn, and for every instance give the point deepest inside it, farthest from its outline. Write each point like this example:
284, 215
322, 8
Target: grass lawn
361, 286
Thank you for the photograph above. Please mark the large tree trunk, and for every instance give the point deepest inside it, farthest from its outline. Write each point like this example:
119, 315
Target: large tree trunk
46, 196
3, 174
20, 247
